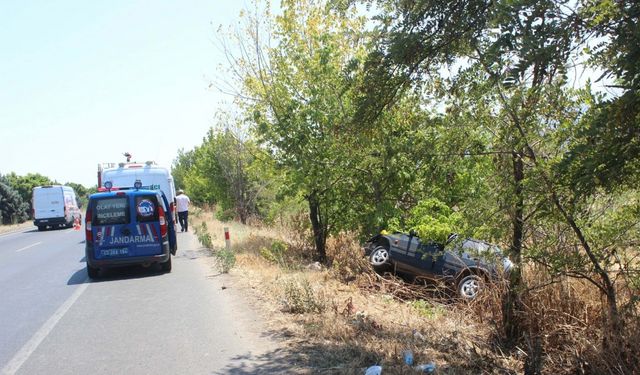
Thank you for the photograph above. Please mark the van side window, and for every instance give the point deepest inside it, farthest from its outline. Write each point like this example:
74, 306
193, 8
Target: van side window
111, 211
146, 208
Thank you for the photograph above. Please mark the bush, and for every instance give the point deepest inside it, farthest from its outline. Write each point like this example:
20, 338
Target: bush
299, 298
430, 219
346, 257
226, 260
427, 309
275, 253
225, 215
203, 236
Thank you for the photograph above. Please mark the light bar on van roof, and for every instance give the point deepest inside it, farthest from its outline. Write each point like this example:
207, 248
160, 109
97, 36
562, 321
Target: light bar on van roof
130, 165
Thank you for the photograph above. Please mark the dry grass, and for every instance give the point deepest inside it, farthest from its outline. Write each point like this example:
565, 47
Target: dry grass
16, 227
348, 318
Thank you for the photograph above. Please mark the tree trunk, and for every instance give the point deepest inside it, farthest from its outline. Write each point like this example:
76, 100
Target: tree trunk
511, 301
319, 232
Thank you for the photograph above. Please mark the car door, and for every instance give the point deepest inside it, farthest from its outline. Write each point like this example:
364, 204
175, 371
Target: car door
429, 258
403, 248
146, 236
173, 241
48, 203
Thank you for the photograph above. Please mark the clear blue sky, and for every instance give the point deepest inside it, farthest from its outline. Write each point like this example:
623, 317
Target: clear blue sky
81, 82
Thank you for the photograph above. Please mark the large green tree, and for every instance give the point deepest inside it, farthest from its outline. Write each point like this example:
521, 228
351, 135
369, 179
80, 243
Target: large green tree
13, 208
505, 64
25, 184
301, 103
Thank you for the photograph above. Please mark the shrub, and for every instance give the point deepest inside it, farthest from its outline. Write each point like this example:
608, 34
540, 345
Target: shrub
226, 260
427, 309
203, 236
225, 215
275, 253
346, 257
299, 298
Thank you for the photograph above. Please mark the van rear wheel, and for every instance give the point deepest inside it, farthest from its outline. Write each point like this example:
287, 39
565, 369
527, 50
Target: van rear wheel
166, 266
41, 227
93, 272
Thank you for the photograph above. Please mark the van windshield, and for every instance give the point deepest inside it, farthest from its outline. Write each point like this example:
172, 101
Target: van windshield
110, 211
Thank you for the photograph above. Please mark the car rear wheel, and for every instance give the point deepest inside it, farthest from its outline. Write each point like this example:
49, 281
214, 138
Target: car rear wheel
166, 266
41, 227
379, 257
469, 286
93, 272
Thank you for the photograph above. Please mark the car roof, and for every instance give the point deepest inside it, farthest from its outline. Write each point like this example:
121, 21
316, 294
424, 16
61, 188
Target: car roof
132, 192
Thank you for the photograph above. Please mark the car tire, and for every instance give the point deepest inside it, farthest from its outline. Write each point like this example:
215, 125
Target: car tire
469, 286
379, 257
93, 272
41, 228
166, 266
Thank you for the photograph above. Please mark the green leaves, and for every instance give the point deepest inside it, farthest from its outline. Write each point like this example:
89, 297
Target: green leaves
431, 219
13, 209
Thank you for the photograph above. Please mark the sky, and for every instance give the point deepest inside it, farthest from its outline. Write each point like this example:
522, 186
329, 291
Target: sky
82, 82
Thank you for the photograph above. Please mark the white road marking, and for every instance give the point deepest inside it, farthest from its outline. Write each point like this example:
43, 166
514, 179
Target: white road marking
28, 247
27, 350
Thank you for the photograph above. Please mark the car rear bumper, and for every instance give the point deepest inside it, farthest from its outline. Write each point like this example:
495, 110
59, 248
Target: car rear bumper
125, 261
50, 221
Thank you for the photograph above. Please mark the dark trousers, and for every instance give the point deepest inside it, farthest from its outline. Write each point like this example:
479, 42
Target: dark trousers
183, 218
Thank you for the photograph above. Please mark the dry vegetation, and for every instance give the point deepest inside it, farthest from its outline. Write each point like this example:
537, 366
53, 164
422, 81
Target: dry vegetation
16, 227
342, 319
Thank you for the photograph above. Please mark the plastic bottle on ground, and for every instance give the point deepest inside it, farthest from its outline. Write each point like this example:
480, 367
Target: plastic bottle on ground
407, 355
427, 368
374, 370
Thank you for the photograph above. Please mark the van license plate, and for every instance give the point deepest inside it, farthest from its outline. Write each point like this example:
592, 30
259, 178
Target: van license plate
114, 252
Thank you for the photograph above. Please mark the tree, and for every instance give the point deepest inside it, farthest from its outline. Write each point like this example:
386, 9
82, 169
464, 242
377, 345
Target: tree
25, 184
300, 100
506, 63
12, 208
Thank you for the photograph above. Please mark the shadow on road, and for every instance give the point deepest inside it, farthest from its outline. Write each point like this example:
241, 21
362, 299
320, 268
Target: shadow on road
79, 277
113, 274
306, 359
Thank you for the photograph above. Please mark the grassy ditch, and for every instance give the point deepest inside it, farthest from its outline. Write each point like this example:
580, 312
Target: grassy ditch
343, 318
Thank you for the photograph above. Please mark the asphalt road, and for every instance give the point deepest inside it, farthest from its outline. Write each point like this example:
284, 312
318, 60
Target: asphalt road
53, 320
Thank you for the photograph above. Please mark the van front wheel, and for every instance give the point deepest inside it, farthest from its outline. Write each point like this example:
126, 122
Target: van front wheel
166, 266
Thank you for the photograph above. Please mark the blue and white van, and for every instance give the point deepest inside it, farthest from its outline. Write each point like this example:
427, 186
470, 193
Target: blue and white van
129, 227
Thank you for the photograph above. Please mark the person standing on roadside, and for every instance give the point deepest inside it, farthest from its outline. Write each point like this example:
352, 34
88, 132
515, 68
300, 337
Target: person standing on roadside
182, 205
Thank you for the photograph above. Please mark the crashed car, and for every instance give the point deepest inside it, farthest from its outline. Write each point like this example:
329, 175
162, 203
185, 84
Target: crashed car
466, 264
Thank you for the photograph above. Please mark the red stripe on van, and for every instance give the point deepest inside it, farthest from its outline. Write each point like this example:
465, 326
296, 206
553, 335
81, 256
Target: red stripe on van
153, 230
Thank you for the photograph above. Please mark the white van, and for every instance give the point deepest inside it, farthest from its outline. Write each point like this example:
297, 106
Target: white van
54, 206
152, 176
